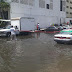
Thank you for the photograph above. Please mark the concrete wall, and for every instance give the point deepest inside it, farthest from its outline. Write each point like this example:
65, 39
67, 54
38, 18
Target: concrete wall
43, 16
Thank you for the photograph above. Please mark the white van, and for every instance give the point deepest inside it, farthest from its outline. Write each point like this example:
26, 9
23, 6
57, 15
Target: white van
25, 25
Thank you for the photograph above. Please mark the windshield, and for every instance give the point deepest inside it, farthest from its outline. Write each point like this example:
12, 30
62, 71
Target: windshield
7, 27
69, 33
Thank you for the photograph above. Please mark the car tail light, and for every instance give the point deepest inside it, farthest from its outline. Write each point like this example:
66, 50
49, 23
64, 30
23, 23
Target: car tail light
70, 28
67, 37
57, 37
63, 37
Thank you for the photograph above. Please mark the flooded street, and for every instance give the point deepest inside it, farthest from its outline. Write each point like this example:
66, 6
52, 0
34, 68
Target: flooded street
35, 53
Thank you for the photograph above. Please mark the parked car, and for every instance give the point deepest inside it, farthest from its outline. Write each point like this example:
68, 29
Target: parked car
0, 28
65, 36
6, 31
52, 28
66, 27
60, 27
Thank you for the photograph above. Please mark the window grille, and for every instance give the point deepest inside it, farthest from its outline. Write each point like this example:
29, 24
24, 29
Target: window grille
16, 1
63, 3
24, 1
31, 2
42, 3
51, 5
63, 9
51, 0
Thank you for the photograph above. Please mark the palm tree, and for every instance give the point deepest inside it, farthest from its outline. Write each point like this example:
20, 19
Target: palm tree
4, 8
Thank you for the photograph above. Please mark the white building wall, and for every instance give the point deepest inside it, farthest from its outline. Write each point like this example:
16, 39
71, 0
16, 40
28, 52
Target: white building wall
43, 16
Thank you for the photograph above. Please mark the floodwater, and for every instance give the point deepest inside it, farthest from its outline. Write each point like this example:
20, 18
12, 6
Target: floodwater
35, 53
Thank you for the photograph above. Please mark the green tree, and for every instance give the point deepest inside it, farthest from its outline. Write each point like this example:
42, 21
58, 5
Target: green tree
4, 7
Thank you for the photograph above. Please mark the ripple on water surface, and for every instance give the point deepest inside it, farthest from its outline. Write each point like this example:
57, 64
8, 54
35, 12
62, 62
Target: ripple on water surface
35, 53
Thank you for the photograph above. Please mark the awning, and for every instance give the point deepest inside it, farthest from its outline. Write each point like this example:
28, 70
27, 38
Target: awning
5, 20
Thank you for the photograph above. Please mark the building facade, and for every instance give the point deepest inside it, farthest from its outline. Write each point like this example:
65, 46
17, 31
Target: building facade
69, 8
45, 12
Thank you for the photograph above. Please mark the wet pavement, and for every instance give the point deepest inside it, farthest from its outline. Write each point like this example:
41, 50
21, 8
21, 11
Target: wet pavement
35, 53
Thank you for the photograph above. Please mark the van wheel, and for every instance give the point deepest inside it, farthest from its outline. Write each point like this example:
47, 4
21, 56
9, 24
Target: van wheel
8, 34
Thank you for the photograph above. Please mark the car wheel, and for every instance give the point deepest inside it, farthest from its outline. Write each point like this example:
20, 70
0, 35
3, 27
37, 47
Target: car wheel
8, 34
58, 43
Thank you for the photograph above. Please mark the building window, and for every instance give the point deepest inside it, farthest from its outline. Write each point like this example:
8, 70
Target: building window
67, 12
51, 5
62, 5
63, 9
27, 2
71, 13
70, 7
31, 2
51, 0
71, 2
16, 1
67, 6
67, 0
42, 3
47, 6
24, 1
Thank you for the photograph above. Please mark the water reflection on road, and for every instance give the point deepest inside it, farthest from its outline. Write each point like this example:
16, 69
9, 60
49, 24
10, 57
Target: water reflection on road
35, 53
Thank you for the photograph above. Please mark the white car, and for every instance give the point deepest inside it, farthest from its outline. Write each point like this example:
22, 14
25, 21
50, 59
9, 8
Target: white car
65, 36
6, 31
66, 27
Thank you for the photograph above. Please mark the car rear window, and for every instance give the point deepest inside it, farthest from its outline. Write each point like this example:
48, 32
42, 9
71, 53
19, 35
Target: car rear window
69, 33
51, 27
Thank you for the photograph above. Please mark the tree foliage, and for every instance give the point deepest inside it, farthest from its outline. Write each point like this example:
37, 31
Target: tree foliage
4, 6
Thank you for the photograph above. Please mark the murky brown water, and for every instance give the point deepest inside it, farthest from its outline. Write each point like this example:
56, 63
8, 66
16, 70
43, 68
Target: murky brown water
35, 53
